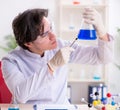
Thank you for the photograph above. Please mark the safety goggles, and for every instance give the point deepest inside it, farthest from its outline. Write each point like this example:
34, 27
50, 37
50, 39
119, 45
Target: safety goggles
47, 32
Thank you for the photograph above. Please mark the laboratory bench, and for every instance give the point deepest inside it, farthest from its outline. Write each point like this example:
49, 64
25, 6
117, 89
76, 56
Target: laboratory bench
47, 107
54, 107
20, 106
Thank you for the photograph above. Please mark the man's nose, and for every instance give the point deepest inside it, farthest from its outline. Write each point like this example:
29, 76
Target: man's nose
51, 35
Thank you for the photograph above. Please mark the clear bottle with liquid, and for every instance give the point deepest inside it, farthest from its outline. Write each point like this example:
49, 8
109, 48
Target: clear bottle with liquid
87, 31
13, 107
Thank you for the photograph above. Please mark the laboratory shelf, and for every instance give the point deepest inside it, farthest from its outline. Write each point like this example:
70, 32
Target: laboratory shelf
85, 80
70, 19
83, 6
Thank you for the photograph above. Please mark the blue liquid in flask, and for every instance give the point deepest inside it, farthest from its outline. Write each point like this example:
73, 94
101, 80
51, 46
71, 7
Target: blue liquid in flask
86, 34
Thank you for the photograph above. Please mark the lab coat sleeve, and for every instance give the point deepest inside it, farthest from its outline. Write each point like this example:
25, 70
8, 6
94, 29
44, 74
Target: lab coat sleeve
99, 54
24, 89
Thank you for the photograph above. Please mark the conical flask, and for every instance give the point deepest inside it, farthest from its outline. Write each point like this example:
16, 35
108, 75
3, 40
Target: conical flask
87, 32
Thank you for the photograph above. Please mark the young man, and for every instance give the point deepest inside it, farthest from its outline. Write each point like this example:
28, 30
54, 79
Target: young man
35, 71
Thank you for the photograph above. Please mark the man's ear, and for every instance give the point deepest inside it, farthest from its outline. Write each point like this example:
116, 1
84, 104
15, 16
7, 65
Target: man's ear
28, 44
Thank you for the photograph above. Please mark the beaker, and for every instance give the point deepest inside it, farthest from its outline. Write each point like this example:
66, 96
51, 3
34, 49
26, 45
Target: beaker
87, 31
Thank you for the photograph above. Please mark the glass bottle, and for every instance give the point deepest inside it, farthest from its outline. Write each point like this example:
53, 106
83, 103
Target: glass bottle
13, 107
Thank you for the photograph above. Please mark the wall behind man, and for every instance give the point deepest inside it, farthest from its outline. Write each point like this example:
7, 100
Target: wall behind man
10, 8
114, 23
114, 18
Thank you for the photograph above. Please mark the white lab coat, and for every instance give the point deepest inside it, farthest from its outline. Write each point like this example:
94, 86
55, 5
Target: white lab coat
27, 77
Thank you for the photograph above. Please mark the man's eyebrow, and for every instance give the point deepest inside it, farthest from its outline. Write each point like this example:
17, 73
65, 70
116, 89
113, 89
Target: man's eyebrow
42, 29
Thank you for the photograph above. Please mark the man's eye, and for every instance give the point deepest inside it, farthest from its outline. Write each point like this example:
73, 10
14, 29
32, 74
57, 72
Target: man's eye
45, 34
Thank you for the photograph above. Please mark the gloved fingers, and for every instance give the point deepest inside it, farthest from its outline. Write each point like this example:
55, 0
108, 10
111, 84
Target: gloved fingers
88, 11
60, 58
91, 13
88, 16
66, 57
97, 25
89, 21
66, 51
91, 16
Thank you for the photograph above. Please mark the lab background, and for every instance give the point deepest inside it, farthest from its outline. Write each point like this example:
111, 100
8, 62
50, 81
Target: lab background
77, 83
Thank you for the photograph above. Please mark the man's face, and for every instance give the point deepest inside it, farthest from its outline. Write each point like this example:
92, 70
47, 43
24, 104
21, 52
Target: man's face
45, 42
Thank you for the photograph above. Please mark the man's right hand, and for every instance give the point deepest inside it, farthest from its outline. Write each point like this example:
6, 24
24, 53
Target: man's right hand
60, 58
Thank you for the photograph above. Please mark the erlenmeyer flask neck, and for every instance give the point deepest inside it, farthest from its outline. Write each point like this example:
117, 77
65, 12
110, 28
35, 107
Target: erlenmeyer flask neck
87, 32
85, 25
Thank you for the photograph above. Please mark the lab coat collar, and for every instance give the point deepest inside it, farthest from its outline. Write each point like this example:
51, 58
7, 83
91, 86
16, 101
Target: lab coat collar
33, 55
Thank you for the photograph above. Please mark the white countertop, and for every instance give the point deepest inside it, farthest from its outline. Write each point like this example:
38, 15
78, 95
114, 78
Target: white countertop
42, 107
